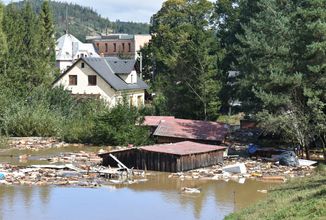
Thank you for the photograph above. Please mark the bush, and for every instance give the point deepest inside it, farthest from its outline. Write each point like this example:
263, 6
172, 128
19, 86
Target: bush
25, 120
54, 112
120, 126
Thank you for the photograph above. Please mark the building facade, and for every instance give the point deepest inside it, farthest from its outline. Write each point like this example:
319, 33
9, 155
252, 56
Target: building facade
119, 45
110, 79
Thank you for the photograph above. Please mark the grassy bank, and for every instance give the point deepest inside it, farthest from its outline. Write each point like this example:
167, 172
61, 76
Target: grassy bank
298, 199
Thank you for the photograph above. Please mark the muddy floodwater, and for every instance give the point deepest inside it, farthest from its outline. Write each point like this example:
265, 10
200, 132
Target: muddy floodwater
158, 198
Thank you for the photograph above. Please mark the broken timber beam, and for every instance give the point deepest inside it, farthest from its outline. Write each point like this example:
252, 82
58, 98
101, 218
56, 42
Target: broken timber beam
120, 163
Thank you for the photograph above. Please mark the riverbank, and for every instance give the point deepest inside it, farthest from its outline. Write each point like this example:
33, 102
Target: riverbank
301, 198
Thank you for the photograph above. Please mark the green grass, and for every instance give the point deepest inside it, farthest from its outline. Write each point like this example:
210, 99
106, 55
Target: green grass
302, 198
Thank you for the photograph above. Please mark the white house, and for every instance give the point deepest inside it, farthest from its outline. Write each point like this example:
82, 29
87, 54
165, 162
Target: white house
69, 49
110, 78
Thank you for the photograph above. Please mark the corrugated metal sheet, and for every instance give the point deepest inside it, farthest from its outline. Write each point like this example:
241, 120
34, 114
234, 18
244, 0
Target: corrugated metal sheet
182, 148
155, 120
192, 129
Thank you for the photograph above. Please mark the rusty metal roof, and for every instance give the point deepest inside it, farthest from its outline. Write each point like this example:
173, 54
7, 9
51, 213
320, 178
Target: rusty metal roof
192, 129
155, 120
182, 148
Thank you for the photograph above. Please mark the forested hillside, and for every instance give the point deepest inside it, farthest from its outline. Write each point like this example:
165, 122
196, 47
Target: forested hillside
85, 21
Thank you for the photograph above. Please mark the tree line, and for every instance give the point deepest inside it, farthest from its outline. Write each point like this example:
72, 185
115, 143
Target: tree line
276, 48
83, 21
29, 106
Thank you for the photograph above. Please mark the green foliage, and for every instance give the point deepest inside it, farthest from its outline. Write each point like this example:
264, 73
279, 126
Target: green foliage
3, 40
117, 126
47, 33
185, 53
282, 64
26, 65
23, 120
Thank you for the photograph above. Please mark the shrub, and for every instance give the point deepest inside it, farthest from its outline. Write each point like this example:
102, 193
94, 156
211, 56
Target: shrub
120, 126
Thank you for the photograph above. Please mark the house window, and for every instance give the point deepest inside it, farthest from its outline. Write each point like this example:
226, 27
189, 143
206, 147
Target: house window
82, 65
131, 78
114, 47
123, 47
106, 47
129, 47
92, 80
72, 80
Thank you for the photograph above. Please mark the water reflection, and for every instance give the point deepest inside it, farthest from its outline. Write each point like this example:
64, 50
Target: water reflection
158, 198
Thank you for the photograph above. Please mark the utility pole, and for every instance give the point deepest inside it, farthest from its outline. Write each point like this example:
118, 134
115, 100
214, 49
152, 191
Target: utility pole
67, 24
141, 65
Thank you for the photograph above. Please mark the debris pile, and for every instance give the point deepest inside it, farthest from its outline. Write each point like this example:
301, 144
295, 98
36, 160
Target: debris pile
239, 169
73, 169
81, 157
35, 143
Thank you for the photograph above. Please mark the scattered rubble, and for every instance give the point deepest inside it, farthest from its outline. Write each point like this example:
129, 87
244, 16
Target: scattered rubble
189, 190
35, 143
74, 169
255, 169
262, 190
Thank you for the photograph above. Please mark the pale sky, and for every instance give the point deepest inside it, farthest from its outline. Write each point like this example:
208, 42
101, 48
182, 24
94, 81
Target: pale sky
124, 10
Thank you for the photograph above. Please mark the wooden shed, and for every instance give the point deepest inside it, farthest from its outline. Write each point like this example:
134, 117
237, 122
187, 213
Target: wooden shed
167, 129
176, 157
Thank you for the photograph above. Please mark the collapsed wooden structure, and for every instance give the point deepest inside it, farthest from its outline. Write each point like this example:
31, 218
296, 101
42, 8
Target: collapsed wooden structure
176, 157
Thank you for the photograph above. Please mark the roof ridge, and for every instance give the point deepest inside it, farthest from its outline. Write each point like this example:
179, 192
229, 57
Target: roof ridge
108, 65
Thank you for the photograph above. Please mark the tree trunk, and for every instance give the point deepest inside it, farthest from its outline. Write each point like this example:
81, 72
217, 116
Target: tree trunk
306, 148
323, 140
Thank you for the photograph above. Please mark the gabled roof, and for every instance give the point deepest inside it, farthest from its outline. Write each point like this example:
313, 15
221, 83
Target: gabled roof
67, 46
103, 68
192, 129
120, 66
182, 148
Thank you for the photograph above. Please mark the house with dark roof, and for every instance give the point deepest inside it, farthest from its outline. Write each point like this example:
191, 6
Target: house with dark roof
109, 78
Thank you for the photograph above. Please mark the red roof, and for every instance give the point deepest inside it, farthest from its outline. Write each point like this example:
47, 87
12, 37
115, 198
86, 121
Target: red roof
182, 148
155, 120
192, 129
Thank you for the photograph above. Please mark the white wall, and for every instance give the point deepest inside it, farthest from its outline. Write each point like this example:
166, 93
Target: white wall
129, 78
63, 64
102, 88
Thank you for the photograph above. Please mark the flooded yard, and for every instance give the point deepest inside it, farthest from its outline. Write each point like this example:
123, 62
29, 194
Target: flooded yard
158, 198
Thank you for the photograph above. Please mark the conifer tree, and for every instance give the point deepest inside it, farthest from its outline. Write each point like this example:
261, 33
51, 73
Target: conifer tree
47, 32
309, 53
3, 40
282, 65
